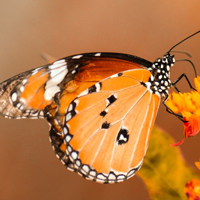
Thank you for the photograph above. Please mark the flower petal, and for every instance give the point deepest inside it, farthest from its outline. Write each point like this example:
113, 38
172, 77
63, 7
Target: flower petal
192, 189
195, 98
191, 127
178, 100
197, 83
178, 143
197, 164
171, 105
188, 105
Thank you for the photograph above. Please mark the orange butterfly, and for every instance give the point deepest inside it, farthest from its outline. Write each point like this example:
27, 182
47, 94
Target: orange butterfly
101, 108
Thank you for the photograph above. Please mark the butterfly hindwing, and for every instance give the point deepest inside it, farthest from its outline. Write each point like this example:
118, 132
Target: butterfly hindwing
108, 125
59, 147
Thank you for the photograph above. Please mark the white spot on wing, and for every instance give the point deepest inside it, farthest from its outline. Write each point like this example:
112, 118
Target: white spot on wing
69, 148
35, 71
111, 177
41, 113
77, 56
14, 97
121, 176
70, 107
98, 87
74, 71
68, 138
74, 155
68, 116
93, 173
57, 64
148, 85
122, 138
86, 168
114, 75
24, 81
78, 163
50, 92
22, 107
131, 173
18, 105
57, 74
97, 54
23, 100
65, 130
83, 93
101, 176
21, 88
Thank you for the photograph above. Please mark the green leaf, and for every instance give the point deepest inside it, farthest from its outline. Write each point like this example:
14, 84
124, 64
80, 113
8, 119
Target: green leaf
164, 171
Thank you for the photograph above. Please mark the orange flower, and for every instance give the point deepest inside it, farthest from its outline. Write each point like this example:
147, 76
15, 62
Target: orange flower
188, 104
192, 189
197, 164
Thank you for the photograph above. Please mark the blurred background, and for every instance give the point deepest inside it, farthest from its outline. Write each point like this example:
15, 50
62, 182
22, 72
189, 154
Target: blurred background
28, 166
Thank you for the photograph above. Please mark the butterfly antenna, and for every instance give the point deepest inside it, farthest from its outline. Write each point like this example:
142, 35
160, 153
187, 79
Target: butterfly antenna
183, 40
48, 58
183, 52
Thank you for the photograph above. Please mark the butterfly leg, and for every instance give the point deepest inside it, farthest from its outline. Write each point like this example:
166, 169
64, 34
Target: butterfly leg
178, 79
174, 85
171, 111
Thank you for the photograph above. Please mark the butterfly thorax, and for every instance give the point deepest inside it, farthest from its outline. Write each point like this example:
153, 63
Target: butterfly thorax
159, 81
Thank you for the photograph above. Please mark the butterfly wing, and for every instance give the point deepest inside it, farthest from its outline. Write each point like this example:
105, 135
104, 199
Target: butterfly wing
28, 94
90, 68
58, 146
108, 126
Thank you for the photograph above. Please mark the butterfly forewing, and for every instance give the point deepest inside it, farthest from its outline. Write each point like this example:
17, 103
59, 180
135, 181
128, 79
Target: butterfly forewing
107, 130
27, 94
89, 69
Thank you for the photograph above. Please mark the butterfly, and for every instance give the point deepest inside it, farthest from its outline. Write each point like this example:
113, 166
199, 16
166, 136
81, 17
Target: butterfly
101, 109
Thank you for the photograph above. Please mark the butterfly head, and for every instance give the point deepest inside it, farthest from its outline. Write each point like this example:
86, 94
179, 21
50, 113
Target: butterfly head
168, 59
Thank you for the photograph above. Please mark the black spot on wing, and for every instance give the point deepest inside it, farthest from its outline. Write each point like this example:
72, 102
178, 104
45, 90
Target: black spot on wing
103, 113
92, 89
95, 88
122, 136
105, 125
111, 100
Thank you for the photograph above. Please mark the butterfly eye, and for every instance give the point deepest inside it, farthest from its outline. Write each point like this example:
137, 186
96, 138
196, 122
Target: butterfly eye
171, 60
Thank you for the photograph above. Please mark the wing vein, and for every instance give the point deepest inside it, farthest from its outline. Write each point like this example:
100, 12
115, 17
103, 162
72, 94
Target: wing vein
123, 119
131, 108
154, 111
144, 119
99, 147
111, 93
